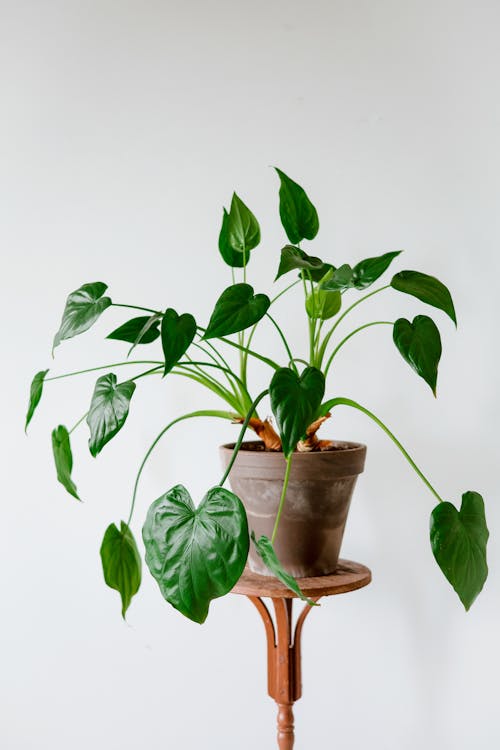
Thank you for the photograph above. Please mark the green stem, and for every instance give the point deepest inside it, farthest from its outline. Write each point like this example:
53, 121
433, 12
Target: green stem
212, 385
203, 413
225, 370
361, 328
215, 351
266, 360
282, 498
105, 367
231, 382
285, 342
152, 371
311, 326
238, 443
332, 330
328, 405
77, 423
137, 307
283, 291
244, 363
254, 328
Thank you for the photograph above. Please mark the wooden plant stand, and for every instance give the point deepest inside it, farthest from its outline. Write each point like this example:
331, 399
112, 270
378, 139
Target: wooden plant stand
283, 641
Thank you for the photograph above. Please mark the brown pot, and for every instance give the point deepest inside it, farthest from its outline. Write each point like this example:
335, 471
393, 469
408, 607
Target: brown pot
316, 506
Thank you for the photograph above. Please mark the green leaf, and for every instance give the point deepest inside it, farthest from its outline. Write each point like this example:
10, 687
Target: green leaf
369, 270
121, 563
236, 309
141, 330
295, 401
83, 308
323, 305
342, 278
426, 288
196, 554
63, 458
108, 410
243, 231
298, 215
420, 345
36, 389
458, 541
318, 274
266, 552
293, 257
232, 257
151, 324
177, 334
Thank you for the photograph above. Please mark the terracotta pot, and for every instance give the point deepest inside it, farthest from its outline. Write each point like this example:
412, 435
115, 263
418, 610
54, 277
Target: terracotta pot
316, 506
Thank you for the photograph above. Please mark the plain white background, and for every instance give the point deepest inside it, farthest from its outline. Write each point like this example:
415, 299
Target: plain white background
125, 126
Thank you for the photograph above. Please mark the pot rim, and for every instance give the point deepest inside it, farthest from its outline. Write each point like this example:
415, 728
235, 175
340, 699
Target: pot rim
343, 447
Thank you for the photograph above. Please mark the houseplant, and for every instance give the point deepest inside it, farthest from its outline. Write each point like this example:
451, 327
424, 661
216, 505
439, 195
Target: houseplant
197, 554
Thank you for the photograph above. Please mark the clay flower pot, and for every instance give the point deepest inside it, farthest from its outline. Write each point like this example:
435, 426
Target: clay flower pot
316, 506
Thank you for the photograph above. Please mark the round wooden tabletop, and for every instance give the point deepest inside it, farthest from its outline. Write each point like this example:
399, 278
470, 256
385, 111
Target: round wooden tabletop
349, 576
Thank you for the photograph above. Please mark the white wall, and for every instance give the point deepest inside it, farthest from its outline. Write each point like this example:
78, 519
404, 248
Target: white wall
124, 128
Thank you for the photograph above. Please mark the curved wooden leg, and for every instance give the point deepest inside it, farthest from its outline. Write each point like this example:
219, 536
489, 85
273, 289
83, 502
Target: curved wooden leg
283, 662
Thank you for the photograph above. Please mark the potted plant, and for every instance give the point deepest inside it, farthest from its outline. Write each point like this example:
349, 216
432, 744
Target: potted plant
291, 488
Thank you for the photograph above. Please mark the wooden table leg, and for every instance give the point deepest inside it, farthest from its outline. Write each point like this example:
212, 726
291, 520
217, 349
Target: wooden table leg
283, 661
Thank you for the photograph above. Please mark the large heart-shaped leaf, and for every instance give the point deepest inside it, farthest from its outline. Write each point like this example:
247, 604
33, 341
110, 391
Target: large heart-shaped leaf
83, 307
420, 345
63, 459
458, 541
427, 289
298, 215
367, 271
230, 256
323, 305
295, 401
121, 563
243, 231
268, 556
141, 330
108, 410
36, 389
196, 554
340, 280
177, 334
293, 258
236, 309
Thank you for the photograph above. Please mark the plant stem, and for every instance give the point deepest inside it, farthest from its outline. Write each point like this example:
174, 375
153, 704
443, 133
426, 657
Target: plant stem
77, 423
328, 405
311, 326
285, 342
152, 371
136, 307
203, 413
283, 291
361, 328
254, 328
238, 443
266, 360
212, 385
328, 336
231, 383
282, 498
105, 367
226, 370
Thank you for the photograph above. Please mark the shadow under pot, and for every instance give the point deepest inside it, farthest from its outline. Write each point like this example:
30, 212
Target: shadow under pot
316, 505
